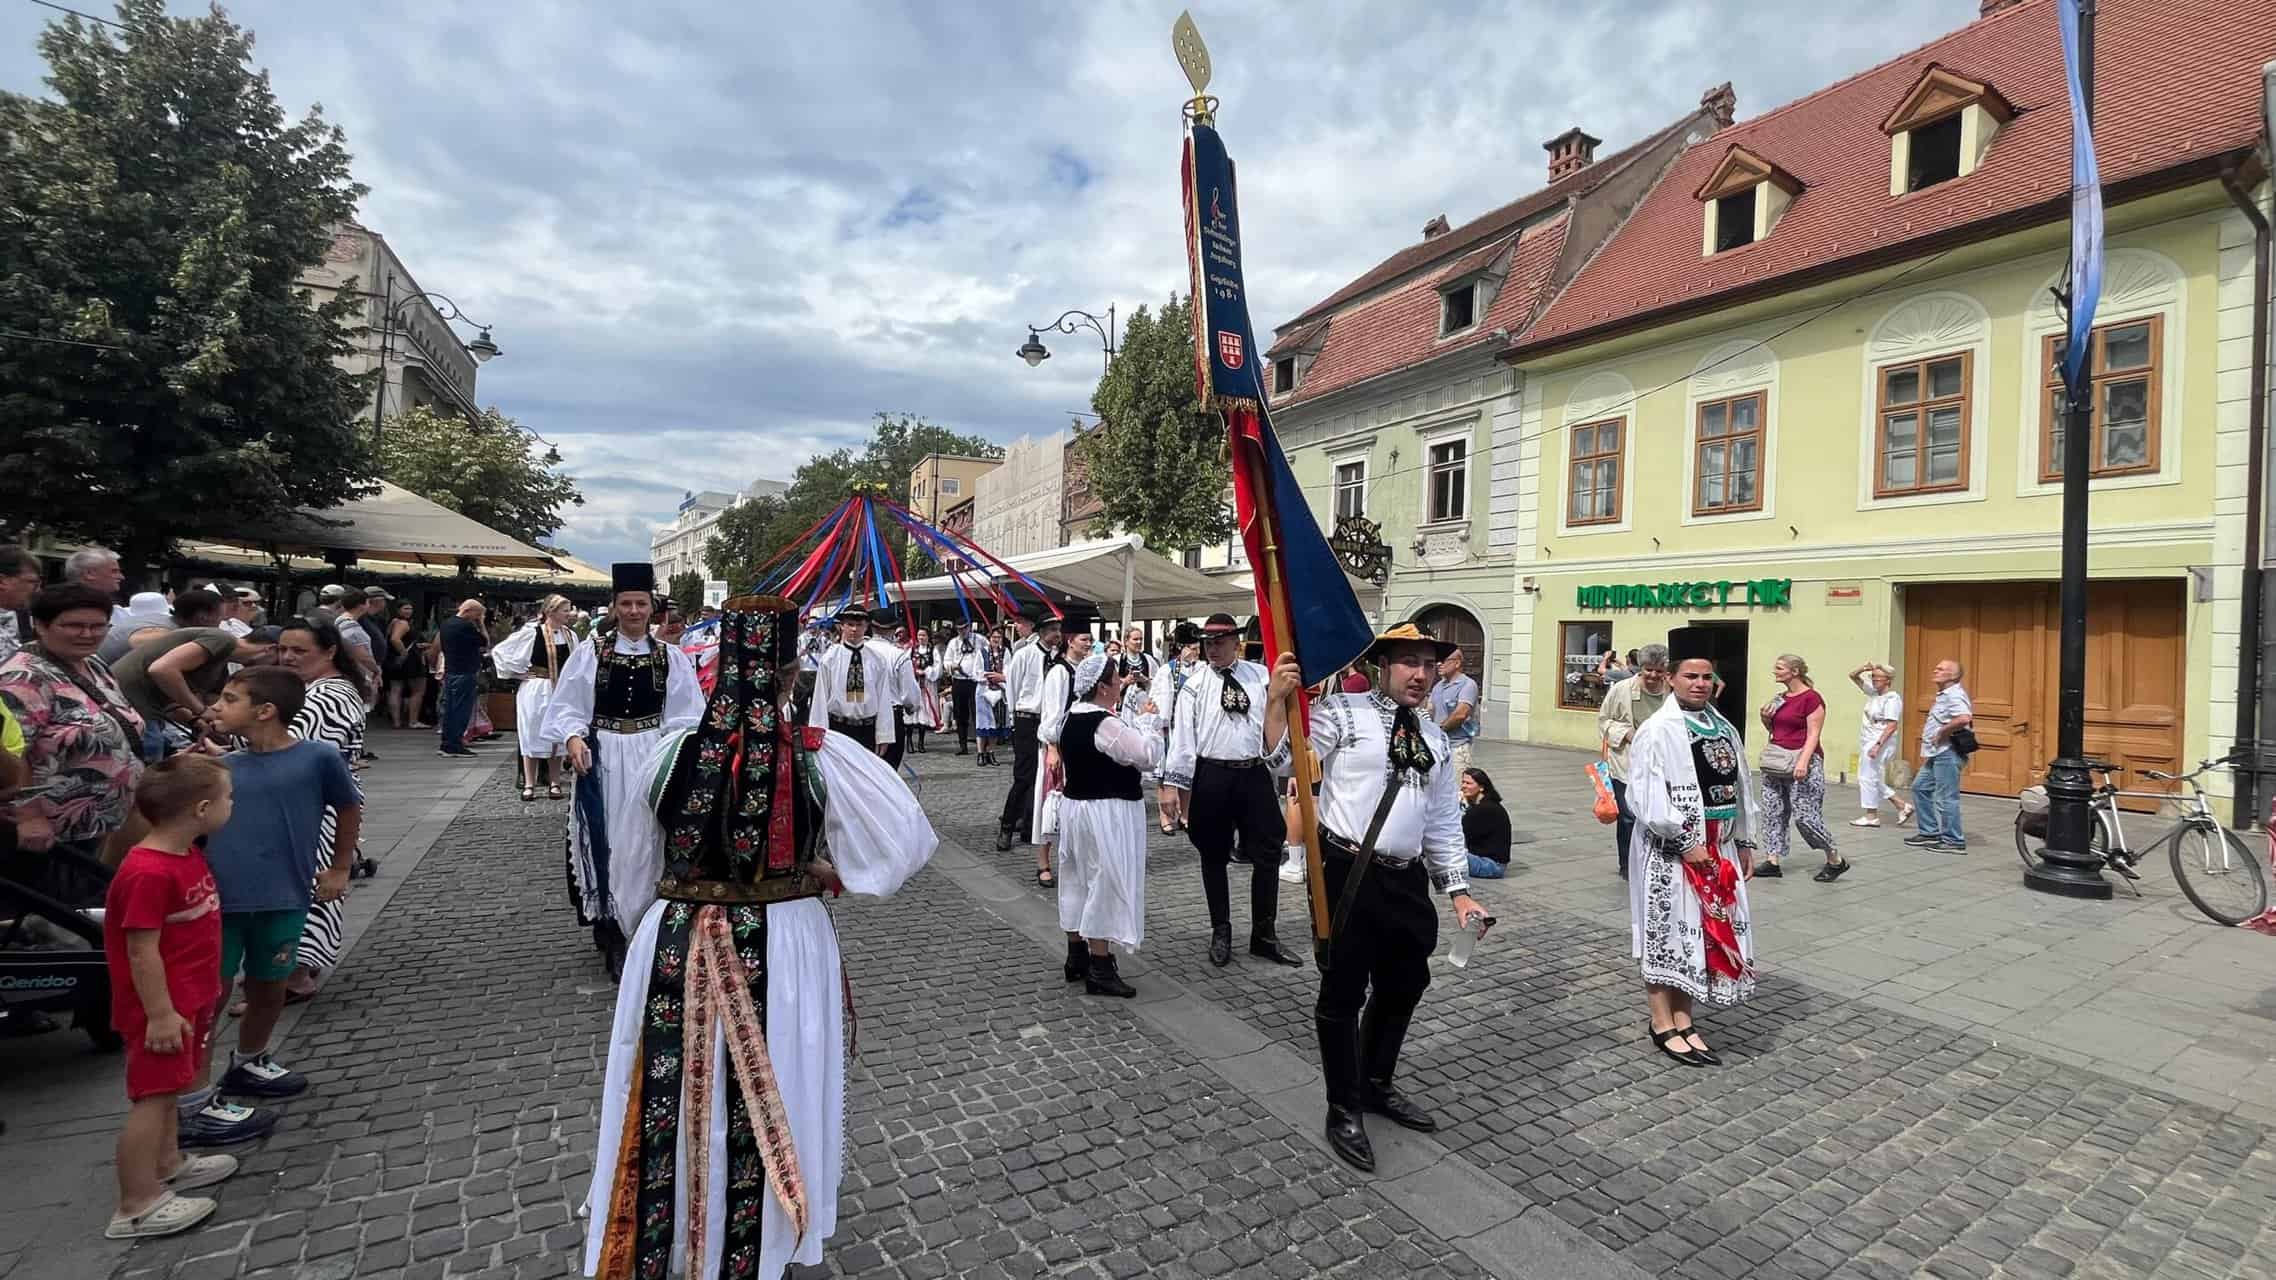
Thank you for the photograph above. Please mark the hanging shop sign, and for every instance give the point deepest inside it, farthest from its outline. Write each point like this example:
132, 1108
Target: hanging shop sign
1358, 542
1754, 593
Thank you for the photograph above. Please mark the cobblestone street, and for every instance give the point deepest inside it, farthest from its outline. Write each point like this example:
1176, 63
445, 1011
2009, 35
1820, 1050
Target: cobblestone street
1002, 1124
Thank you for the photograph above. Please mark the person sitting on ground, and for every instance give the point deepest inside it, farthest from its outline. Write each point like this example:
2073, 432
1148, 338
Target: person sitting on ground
162, 943
1485, 826
264, 860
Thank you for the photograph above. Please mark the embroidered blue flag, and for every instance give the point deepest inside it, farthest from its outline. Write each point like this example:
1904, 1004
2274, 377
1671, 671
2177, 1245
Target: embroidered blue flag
2086, 207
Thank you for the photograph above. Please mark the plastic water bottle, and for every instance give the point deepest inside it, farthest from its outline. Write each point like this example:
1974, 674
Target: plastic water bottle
1466, 940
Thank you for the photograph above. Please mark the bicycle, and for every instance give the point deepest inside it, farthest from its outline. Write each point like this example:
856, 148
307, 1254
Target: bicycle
2216, 872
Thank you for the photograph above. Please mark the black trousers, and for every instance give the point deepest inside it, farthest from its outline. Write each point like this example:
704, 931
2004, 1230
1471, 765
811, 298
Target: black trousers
1376, 973
861, 731
1625, 827
960, 695
900, 745
1237, 809
1019, 802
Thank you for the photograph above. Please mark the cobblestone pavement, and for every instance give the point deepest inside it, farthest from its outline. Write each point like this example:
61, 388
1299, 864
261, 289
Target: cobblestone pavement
999, 1124
1840, 1140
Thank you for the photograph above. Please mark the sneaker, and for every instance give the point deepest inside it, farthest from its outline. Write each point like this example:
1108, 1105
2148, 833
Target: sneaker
461, 752
224, 1124
260, 1077
1924, 841
1949, 846
1292, 867
171, 1214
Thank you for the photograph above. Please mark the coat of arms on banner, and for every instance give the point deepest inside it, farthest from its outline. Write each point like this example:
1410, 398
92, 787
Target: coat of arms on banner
1229, 348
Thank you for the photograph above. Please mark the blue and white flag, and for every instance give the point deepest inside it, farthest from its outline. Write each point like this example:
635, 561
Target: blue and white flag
2086, 206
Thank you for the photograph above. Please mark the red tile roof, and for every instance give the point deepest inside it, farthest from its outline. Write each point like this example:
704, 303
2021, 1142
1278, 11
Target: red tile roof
1401, 328
1487, 226
2177, 89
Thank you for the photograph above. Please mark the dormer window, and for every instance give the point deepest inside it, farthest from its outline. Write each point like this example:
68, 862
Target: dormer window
1458, 308
1742, 200
1941, 129
1284, 375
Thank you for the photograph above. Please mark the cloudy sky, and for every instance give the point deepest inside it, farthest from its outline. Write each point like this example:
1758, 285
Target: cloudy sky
715, 238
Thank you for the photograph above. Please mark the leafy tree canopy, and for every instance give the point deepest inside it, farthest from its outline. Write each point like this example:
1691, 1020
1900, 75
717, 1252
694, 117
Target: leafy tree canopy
686, 591
162, 371
752, 532
1157, 458
489, 469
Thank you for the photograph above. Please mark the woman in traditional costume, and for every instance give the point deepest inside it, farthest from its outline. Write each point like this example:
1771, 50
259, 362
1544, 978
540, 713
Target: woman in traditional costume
621, 693
722, 1120
536, 655
1696, 818
1102, 824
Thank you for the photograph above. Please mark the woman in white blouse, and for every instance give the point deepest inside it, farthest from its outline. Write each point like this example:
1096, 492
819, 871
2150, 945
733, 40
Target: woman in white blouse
1877, 743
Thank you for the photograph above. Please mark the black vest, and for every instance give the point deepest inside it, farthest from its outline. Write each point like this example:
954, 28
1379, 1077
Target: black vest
1091, 773
628, 689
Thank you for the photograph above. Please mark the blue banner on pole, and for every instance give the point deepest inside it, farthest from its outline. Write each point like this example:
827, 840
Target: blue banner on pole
2086, 207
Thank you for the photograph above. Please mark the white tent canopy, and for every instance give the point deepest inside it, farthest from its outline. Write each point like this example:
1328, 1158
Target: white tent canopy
393, 524
1112, 570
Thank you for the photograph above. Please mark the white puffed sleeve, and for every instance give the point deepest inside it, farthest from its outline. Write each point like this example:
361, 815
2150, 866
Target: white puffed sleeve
683, 693
569, 712
511, 658
877, 833
1137, 743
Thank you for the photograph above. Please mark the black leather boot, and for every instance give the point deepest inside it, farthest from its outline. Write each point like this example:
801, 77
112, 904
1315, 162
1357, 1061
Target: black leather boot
1078, 960
1220, 945
1003, 839
1103, 979
1381, 1035
1263, 942
1339, 1070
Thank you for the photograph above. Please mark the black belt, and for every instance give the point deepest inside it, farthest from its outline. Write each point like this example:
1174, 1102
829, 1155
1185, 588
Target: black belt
1332, 842
1027, 715
835, 721
1253, 762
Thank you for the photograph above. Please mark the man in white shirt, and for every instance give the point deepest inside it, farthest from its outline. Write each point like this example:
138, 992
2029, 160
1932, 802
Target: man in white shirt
1023, 696
1382, 940
856, 687
1221, 764
967, 662
238, 606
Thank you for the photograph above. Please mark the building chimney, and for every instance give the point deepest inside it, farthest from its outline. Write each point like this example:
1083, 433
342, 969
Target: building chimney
1435, 228
1570, 152
1991, 7
1722, 102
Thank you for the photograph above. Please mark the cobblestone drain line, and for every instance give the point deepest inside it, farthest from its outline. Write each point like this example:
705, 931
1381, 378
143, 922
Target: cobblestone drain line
999, 1124
1839, 1139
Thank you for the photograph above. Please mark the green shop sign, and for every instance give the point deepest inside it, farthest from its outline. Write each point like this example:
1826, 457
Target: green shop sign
1759, 593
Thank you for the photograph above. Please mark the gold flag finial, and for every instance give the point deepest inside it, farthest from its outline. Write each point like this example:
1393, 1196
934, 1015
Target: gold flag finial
1193, 55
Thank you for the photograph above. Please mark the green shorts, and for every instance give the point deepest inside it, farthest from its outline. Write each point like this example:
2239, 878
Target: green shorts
266, 942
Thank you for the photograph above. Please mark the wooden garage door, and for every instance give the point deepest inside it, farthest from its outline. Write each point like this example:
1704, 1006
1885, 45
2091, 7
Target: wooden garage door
2007, 635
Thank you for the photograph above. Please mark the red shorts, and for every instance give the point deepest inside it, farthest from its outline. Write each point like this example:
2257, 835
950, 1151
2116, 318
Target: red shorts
149, 1075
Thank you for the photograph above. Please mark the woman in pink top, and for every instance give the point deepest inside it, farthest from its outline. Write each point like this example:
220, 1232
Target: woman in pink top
1796, 718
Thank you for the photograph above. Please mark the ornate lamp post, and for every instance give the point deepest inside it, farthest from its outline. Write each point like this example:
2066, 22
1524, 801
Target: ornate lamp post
482, 348
1034, 352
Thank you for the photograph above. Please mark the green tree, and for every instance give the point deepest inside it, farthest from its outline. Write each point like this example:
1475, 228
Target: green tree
750, 533
162, 371
490, 469
1157, 458
686, 591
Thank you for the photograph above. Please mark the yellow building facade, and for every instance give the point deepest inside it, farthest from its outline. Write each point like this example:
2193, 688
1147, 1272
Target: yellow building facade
1844, 549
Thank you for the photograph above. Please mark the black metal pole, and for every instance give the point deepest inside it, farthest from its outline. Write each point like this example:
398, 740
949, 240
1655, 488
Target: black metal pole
2065, 865
386, 321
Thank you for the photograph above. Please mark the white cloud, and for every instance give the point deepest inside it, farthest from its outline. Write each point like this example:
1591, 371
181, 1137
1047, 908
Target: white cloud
714, 239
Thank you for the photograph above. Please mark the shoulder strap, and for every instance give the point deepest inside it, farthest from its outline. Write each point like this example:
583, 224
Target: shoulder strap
1360, 864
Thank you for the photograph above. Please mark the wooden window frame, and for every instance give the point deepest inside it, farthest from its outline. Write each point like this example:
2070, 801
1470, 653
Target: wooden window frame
2051, 466
1617, 456
1336, 485
1882, 409
1430, 481
1564, 649
1761, 434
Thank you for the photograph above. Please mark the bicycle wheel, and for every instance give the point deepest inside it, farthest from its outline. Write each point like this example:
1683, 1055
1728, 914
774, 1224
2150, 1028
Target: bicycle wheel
2220, 876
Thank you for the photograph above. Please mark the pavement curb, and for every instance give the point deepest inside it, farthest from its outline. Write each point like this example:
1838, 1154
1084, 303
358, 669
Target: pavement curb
1487, 1219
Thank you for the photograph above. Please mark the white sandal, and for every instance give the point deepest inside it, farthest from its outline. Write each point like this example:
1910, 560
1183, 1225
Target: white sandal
202, 1171
172, 1214
1872, 820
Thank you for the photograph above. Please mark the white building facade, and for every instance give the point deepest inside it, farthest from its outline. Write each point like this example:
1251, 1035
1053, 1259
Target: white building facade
1017, 507
677, 548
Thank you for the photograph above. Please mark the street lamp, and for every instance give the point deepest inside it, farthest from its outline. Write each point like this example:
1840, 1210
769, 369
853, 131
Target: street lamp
483, 349
1035, 353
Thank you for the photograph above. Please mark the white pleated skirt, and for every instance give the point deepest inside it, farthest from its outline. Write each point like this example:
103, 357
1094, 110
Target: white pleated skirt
529, 715
805, 1013
1102, 870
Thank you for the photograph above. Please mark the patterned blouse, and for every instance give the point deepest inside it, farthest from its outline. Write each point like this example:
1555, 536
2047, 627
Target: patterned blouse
83, 764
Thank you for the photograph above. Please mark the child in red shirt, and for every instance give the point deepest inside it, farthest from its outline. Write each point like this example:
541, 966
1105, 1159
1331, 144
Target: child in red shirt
162, 937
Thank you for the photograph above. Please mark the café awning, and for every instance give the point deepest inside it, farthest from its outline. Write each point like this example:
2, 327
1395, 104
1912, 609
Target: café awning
1120, 571
393, 524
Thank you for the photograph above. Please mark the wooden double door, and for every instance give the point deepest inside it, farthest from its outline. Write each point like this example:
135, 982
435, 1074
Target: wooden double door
2007, 635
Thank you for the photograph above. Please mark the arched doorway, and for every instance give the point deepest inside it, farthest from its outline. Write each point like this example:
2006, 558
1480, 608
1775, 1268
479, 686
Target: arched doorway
1457, 625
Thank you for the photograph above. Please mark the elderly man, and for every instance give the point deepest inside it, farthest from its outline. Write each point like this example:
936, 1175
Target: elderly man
19, 580
462, 642
1391, 842
97, 567
1454, 705
1626, 707
1936, 790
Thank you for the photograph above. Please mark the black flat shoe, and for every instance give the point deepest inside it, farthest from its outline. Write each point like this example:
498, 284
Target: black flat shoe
1347, 1137
1831, 871
1221, 946
1684, 1056
1770, 871
1268, 947
1003, 840
1706, 1056
1387, 1101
